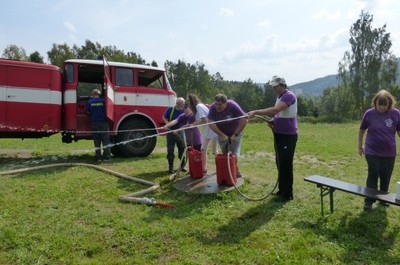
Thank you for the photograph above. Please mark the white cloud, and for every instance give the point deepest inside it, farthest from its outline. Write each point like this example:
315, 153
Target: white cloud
264, 23
327, 14
225, 12
70, 27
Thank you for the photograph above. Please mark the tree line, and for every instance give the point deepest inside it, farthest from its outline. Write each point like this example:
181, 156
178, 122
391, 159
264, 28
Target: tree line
365, 69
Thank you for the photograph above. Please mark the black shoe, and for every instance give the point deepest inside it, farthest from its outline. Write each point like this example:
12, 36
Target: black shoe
276, 194
171, 170
384, 204
367, 206
183, 169
283, 198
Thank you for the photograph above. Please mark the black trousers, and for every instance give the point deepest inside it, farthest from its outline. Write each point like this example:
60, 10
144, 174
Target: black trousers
101, 137
379, 168
172, 140
285, 146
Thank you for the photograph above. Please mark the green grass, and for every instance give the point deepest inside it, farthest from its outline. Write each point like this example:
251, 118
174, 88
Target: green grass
71, 215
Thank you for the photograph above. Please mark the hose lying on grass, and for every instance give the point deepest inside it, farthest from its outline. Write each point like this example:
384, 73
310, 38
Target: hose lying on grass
123, 198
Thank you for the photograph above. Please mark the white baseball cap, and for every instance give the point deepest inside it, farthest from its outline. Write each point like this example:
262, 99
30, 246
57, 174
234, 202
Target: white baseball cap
276, 81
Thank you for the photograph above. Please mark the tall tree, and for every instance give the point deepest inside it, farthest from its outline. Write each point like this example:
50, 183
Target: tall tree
89, 51
59, 53
36, 57
15, 53
191, 78
249, 95
370, 65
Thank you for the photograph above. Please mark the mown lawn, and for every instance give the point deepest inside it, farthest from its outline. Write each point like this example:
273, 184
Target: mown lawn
72, 215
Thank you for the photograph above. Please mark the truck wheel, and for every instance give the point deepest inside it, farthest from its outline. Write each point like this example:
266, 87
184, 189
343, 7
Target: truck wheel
127, 146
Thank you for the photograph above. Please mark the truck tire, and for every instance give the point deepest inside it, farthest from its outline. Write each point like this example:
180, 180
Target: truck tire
126, 146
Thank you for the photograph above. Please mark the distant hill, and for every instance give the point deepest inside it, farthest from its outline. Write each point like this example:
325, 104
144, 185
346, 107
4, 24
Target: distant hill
317, 86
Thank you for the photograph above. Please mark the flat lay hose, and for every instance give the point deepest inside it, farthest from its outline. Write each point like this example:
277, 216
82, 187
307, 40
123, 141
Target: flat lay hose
123, 198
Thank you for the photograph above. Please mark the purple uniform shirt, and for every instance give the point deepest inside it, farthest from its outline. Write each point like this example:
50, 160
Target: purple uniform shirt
381, 132
193, 135
232, 110
285, 122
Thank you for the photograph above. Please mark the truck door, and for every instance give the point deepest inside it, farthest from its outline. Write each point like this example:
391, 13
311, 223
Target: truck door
109, 90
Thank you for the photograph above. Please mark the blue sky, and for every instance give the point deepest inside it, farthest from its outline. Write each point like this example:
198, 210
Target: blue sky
298, 39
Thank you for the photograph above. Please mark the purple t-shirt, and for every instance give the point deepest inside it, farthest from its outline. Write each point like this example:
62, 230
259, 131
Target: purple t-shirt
193, 135
285, 122
232, 110
381, 132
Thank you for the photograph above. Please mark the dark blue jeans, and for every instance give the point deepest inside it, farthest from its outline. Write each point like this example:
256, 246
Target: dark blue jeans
172, 140
101, 137
379, 168
285, 145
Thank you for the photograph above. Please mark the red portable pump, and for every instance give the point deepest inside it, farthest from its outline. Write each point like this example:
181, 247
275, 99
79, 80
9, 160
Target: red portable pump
221, 163
195, 163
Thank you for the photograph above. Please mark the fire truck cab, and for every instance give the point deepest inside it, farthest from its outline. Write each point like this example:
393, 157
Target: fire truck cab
38, 100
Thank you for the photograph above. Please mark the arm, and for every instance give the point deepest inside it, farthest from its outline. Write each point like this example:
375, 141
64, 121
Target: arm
272, 111
169, 124
197, 122
361, 150
164, 119
239, 129
214, 127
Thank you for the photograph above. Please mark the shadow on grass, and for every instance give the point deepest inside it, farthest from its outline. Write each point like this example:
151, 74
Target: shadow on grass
11, 163
244, 225
367, 238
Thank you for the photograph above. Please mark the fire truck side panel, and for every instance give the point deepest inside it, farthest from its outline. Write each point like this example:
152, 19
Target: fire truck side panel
3, 93
32, 100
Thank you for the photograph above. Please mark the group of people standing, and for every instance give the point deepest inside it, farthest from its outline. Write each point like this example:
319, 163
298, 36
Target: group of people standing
224, 121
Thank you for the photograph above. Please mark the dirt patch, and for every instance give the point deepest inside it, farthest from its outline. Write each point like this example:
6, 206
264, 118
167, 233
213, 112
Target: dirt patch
20, 153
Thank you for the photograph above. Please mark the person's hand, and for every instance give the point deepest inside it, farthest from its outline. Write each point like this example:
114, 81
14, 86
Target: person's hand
233, 138
224, 138
361, 150
250, 114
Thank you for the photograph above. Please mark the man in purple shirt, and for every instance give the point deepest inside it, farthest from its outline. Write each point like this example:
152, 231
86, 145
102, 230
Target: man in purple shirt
233, 122
284, 126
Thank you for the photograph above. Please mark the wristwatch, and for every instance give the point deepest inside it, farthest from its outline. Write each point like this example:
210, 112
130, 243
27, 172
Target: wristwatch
236, 134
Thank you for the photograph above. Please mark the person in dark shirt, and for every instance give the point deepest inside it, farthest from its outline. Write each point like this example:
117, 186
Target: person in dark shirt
96, 109
174, 138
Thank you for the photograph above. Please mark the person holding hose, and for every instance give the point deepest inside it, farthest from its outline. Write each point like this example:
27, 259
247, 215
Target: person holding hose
224, 111
174, 138
284, 127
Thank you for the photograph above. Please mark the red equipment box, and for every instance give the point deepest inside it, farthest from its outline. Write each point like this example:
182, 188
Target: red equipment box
221, 162
195, 163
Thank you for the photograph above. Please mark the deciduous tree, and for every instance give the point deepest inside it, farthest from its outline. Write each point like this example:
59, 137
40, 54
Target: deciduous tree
370, 65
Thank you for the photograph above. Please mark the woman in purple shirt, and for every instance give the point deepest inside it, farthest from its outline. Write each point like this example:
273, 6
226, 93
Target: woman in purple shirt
284, 126
382, 121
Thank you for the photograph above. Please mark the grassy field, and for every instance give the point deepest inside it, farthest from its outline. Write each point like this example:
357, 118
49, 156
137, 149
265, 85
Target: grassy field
71, 215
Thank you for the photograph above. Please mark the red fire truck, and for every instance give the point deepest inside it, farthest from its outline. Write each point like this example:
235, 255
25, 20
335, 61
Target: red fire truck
39, 100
